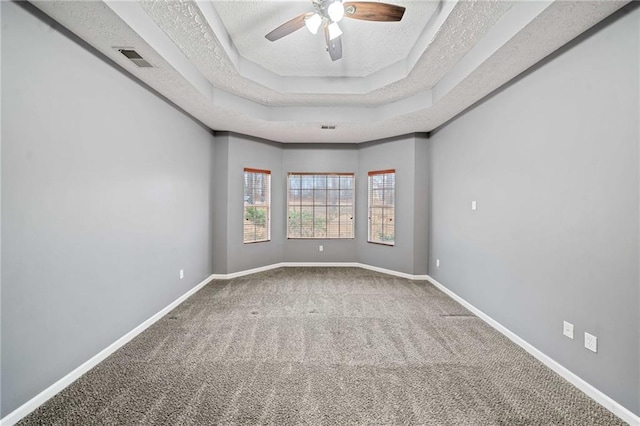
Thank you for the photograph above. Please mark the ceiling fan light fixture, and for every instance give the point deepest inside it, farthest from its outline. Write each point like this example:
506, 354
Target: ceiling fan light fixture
334, 31
336, 11
313, 23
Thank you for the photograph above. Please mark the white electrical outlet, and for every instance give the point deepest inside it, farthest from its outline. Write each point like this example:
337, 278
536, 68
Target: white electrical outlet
567, 329
181, 273
474, 205
321, 248
590, 342
437, 263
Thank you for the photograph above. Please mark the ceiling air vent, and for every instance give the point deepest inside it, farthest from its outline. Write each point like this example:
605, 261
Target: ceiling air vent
328, 127
135, 58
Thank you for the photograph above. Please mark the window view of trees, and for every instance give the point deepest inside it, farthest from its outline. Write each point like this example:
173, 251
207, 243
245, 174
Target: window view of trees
320, 205
257, 198
382, 227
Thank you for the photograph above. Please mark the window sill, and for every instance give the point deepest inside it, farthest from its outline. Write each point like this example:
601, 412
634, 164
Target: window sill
382, 244
256, 242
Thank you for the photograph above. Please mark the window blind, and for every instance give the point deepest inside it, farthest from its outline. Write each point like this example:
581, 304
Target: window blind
320, 205
382, 186
257, 200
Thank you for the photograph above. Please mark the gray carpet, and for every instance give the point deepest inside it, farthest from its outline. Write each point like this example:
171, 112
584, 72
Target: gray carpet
321, 346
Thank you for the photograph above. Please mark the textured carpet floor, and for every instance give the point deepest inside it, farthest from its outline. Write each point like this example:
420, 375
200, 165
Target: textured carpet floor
321, 346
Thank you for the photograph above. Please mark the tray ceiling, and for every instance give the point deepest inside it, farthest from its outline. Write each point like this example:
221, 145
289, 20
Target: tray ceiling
212, 60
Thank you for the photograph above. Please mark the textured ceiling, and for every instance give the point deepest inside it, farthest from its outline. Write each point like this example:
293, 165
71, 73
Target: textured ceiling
367, 46
184, 23
212, 60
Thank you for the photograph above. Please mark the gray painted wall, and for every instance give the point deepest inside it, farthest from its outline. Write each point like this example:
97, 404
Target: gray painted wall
321, 158
234, 152
399, 154
553, 162
105, 196
220, 192
245, 151
96, 224
421, 202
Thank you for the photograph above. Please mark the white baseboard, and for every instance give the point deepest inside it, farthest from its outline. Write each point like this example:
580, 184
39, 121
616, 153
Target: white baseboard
394, 273
246, 272
319, 264
572, 378
617, 409
26, 408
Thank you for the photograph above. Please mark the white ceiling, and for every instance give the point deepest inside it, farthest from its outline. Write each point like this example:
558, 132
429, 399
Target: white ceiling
368, 46
211, 59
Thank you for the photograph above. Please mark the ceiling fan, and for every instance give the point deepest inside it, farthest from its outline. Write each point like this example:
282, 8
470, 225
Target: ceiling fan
330, 12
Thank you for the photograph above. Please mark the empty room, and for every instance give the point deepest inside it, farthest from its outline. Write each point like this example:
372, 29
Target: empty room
320, 212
